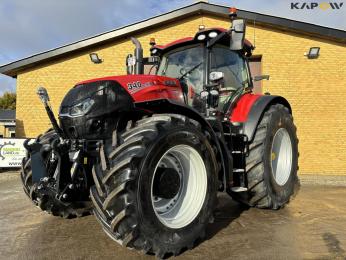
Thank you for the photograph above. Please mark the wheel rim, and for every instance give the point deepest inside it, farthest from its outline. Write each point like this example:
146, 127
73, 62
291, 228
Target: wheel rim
281, 156
182, 208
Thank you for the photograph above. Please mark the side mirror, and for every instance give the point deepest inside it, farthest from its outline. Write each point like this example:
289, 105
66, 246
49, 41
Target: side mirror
261, 77
237, 34
216, 76
130, 63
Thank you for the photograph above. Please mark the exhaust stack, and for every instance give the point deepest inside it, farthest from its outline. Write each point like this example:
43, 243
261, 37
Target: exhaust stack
139, 67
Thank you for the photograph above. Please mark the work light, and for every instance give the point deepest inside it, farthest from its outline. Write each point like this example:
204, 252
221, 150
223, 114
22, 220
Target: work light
212, 34
201, 37
314, 52
95, 58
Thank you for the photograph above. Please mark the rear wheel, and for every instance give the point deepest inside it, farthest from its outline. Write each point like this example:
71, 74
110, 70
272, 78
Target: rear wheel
156, 191
43, 194
272, 164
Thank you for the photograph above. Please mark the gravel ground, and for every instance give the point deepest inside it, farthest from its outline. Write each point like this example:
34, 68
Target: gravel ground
312, 226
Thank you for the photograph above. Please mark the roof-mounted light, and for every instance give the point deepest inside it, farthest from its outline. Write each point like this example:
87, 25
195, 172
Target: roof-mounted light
152, 42
232, 13
153, 51
201, 27
201, 37
212, 34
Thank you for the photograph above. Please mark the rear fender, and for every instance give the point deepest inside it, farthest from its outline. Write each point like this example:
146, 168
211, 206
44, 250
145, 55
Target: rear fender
251, 111
162, 106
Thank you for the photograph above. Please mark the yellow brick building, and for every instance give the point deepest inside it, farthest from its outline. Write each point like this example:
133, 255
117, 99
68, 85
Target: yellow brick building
7, 123
316, 88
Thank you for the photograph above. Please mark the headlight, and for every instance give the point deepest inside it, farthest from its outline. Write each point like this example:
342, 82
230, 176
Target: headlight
82, 108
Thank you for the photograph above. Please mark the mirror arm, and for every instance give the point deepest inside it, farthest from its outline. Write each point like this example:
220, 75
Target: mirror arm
261, 77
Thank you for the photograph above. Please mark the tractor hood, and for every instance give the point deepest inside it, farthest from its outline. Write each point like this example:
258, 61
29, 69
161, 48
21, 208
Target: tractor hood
90, 107
145, 87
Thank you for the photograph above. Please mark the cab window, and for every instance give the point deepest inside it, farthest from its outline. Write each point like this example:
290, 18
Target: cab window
178, 62
233, 65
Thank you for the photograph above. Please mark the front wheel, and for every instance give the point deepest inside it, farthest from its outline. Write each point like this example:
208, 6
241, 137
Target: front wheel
272, 164
156, 191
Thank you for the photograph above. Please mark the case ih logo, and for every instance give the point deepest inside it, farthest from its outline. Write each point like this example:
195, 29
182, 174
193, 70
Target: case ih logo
314, 5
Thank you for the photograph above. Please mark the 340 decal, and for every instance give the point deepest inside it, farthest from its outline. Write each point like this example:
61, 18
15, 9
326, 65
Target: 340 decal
134, 85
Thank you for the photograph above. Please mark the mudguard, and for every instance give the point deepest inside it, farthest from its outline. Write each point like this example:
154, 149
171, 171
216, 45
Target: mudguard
250, 109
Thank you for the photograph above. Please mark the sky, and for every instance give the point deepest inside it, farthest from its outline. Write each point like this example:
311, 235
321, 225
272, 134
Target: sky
32, 26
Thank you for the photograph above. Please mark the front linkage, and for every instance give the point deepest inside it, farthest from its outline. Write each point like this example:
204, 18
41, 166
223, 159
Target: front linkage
54, 173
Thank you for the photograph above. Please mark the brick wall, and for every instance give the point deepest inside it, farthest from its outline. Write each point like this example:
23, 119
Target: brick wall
316, 89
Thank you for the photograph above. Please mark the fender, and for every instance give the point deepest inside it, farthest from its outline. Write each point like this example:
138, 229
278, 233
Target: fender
161, 106
250, 109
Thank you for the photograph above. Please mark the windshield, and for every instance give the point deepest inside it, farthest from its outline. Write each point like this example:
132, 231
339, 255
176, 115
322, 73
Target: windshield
187, 63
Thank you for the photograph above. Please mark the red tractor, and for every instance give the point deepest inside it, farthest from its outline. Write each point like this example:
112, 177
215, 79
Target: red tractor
148, 153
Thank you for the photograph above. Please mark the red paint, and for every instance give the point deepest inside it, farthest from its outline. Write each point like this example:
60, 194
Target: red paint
248, 43
241, 110
152, 87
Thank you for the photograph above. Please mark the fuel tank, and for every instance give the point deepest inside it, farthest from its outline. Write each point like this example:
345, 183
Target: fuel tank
91, 108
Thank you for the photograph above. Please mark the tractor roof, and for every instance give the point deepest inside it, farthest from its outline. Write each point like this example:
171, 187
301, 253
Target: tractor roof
193, 40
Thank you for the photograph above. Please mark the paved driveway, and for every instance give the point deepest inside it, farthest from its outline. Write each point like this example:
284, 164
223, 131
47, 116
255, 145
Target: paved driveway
313, 226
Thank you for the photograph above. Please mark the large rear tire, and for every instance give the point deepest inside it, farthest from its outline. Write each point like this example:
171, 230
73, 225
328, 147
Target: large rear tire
156, 191
48, 202
272, 164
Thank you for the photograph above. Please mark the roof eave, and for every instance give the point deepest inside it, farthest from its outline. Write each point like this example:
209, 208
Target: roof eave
13, 68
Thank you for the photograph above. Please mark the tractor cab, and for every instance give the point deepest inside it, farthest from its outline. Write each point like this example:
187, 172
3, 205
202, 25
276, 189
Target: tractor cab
203, 66
212, 66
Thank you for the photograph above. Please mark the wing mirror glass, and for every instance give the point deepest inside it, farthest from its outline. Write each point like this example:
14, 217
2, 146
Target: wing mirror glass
216, 76
237, 34
130, 63
260, 77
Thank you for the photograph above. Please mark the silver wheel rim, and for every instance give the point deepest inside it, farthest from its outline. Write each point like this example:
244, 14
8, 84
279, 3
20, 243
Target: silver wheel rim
184, 207
281, 156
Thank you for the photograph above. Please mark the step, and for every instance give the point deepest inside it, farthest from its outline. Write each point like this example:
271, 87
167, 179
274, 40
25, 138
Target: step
238, 189
238, 170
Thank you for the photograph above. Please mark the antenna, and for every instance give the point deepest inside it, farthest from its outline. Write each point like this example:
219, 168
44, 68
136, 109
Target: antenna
254, 33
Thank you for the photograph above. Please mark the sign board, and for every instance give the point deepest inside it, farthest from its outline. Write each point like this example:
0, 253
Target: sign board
12, 152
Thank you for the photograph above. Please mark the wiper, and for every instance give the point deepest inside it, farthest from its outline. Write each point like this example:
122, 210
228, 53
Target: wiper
189, 71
